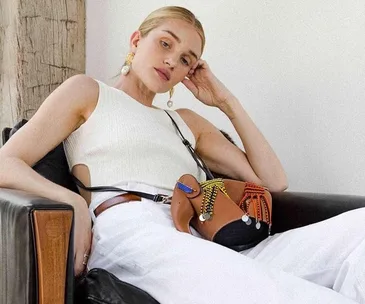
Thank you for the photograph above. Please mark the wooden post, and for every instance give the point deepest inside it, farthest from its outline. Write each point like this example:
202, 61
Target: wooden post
42, 43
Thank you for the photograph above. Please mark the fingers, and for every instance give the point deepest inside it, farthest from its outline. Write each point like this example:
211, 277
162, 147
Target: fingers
85, 259
200, 64
80, 263
79, 266
82, 250
82, 239
190, 86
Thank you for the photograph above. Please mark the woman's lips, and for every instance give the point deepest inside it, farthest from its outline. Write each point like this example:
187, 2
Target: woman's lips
162, 75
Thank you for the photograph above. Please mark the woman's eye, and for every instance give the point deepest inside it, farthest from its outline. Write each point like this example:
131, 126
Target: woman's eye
184, 61
165, 44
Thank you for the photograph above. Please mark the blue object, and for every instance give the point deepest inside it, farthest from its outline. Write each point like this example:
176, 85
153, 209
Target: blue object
184, 188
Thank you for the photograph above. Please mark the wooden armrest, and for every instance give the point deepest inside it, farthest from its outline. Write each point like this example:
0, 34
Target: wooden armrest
36, 249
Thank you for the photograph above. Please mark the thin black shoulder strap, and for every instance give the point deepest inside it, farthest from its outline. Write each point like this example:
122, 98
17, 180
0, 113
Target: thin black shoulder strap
154, 197
193, 153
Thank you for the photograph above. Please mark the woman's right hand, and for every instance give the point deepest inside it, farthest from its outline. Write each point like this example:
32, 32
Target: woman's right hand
82, 236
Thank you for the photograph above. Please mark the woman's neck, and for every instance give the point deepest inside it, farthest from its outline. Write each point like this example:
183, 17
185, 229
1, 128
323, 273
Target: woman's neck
136, 89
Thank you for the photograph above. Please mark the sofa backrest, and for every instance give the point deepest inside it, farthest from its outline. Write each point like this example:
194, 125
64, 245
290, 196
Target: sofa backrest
5, 135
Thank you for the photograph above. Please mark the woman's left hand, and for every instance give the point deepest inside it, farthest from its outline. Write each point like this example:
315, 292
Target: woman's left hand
205, 86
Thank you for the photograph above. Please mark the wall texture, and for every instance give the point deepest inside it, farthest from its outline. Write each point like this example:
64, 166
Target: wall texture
298, 67
42, 43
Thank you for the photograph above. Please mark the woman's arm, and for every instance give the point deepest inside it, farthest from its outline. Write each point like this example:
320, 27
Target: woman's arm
259, 164
59, 115
260, 154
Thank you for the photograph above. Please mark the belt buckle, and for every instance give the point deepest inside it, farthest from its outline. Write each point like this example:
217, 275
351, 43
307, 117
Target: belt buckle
162, 198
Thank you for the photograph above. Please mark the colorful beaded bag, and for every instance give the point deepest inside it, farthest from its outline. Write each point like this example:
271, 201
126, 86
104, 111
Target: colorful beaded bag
232, 213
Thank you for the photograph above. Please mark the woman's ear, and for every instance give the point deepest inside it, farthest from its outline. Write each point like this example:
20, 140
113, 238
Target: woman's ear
135, 38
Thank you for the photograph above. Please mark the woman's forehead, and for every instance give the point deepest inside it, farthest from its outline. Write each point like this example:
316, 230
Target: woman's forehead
181, 31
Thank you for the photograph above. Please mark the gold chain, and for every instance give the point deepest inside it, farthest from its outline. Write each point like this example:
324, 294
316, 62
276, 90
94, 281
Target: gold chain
210, 188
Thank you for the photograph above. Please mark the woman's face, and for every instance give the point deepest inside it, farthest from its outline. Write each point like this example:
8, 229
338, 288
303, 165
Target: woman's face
165, 56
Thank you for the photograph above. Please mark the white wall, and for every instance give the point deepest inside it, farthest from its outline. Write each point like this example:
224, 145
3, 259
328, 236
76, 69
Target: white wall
298, 67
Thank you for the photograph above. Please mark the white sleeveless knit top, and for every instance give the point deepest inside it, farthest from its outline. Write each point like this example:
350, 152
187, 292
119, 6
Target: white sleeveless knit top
124, 142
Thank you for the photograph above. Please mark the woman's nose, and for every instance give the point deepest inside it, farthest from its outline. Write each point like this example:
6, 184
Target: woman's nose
170, 62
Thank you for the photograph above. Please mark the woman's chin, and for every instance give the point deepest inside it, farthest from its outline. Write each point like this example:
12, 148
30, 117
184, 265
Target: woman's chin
157, 88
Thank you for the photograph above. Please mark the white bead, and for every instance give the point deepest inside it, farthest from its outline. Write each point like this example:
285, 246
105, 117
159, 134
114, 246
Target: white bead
206, 216
170, 103
125, 69
245, 218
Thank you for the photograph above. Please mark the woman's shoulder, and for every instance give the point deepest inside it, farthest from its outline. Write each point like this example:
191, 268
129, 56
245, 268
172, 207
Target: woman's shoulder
191, 118
187, 114
197, 123
83, 89
81, 84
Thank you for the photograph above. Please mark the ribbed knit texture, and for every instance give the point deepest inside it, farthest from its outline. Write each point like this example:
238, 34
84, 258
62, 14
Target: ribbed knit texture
124, 141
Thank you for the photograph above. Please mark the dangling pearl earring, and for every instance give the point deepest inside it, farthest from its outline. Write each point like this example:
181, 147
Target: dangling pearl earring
170, 103
127, 64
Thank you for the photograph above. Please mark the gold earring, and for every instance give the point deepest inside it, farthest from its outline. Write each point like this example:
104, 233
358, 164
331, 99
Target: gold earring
170, 103
127, 64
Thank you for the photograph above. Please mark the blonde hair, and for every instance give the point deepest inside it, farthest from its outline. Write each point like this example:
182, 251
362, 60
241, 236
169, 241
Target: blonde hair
157, 17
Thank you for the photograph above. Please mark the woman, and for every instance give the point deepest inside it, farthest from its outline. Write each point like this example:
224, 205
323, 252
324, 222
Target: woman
114, 136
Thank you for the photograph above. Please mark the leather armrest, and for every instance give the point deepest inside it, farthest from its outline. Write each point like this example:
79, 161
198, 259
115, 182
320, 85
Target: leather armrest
297, 209
36, 249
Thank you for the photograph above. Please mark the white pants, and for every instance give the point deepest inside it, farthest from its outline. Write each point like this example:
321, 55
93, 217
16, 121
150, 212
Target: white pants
138, 243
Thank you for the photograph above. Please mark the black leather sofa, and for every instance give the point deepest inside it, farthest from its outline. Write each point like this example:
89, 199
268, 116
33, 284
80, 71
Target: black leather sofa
36, 252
